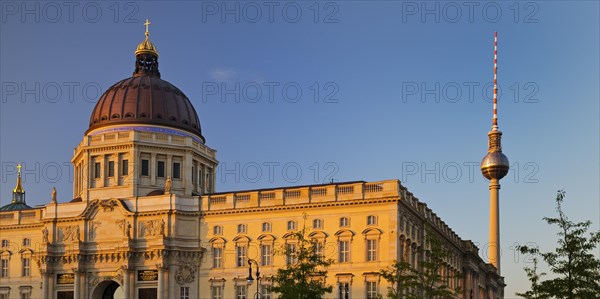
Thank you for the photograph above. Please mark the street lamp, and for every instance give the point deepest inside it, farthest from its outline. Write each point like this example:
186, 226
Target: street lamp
251, 280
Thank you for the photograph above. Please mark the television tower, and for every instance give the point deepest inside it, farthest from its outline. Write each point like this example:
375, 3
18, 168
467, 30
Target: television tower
494, 167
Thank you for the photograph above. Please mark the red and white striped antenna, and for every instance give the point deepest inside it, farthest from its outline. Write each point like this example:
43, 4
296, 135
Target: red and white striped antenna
495, 118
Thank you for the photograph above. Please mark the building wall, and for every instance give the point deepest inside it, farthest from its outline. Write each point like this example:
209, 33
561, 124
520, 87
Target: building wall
87, 244
21, 239
356, 270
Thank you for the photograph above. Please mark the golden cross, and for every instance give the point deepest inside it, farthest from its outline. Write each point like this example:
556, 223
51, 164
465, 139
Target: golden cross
147, 24
19, 168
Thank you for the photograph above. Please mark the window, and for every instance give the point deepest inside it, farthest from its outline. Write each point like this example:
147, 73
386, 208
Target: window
292, 225
193, 175
318, 246
97, 170
26, 242
217, 230
241, 252
266, 227
160, 169
200, 177
217, 257
5, 243
145, 167
344, 222
216, 292
317, 223
25, 295
4, 267
184, 293
265, 253
371, 220
290, 254
26, 263
125, 167
241, 229
344, 251
265, 292
240, 292
176, 170
372, 290
344, 290
371, 250
111, 169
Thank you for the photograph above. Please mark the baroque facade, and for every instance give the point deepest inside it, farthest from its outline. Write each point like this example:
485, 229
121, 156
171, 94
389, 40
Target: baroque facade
145, 220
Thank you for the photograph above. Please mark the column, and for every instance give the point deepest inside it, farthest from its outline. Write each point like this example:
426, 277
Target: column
76, 284
152, 169
169, 166
45, 284
126, 281
171, 281
161, 281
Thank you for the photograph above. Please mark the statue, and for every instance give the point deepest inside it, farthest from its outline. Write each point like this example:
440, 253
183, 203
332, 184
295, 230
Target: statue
168, 185
162, 227
45, 235
128, 230
53, 200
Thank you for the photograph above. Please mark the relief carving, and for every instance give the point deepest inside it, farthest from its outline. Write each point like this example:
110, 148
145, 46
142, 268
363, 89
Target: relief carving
45, 235
108, 205
185, 275
93, 229
150, 228
125, 226
68, 233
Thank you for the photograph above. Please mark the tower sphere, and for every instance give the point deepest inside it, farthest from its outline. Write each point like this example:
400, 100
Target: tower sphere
494, 165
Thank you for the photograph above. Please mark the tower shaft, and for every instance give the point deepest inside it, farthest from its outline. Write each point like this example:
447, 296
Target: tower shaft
494, 245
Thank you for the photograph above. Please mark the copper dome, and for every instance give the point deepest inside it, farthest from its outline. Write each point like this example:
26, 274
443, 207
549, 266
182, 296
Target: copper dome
146, 99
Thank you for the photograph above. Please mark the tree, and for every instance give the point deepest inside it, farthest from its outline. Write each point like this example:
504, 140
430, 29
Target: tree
427, 280
534, 278
302, 278
576, 268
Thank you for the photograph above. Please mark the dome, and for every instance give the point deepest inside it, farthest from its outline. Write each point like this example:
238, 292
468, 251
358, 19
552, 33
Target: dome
145, 98
15, 206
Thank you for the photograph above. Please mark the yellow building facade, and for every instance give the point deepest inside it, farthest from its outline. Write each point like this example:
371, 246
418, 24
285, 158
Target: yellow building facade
145, 221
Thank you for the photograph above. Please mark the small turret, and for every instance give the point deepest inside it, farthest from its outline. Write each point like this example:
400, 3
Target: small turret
18, 196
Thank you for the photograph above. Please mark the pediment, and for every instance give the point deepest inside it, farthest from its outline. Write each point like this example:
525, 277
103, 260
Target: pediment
111, 205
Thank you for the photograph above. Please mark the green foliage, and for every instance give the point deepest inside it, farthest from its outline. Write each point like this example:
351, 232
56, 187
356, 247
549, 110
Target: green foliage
424, 281
576, 269
303, 277
534, 278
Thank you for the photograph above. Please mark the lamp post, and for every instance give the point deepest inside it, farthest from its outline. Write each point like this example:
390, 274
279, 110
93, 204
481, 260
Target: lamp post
251, 280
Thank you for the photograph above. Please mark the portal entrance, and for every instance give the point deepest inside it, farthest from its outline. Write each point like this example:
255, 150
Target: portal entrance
108, 290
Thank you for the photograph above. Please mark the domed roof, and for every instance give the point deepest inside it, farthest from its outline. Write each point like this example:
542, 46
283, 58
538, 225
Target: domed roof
15, 206
145, 98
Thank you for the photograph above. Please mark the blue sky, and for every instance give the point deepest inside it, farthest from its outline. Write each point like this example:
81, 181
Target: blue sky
401, 94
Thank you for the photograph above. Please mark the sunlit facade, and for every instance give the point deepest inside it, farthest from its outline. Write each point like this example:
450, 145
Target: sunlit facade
145, 221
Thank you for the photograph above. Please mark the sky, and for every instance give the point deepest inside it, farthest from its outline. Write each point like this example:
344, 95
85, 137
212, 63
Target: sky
304, 92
